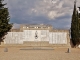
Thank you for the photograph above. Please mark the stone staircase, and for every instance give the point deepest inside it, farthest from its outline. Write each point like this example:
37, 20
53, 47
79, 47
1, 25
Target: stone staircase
40, 44
27, 43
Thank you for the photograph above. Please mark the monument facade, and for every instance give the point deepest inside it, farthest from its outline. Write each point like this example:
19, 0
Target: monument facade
41, 35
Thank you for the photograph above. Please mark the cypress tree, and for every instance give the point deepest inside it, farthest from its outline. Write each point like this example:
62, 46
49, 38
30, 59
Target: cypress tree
5, 25
75, 27
79, 28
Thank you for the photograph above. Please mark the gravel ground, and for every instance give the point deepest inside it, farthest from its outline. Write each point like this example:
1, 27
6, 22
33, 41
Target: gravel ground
14, 53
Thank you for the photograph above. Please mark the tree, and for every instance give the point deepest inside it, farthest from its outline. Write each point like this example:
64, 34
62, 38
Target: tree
75, 27
5, 25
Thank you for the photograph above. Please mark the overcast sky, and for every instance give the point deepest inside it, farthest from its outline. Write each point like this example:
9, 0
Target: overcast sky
55, 12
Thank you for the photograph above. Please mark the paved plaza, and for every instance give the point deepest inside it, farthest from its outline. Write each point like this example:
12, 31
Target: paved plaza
15, 53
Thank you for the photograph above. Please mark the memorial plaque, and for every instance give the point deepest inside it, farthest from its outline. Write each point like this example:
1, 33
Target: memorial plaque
41, 35
58, 38
50, 38
13, 38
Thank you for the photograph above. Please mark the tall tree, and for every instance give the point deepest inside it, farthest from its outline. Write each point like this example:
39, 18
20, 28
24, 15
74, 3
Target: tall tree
75, 27
5, 25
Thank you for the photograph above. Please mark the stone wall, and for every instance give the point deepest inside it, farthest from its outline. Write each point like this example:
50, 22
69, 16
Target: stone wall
14, 38
54, 38
58, 37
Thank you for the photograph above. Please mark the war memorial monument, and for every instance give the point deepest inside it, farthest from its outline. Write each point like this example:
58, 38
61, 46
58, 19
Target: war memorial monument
37, 35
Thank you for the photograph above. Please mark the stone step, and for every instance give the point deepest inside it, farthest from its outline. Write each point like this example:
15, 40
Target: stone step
36, 43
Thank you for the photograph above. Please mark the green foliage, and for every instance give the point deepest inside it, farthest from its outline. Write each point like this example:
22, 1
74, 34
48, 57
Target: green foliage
5, 26
75, 27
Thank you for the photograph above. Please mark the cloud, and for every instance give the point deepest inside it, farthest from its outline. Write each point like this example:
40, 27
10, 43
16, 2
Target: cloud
51, 9
15, 25
55, 12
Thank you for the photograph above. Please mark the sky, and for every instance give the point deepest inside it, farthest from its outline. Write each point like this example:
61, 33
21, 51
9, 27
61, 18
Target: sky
57, 13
